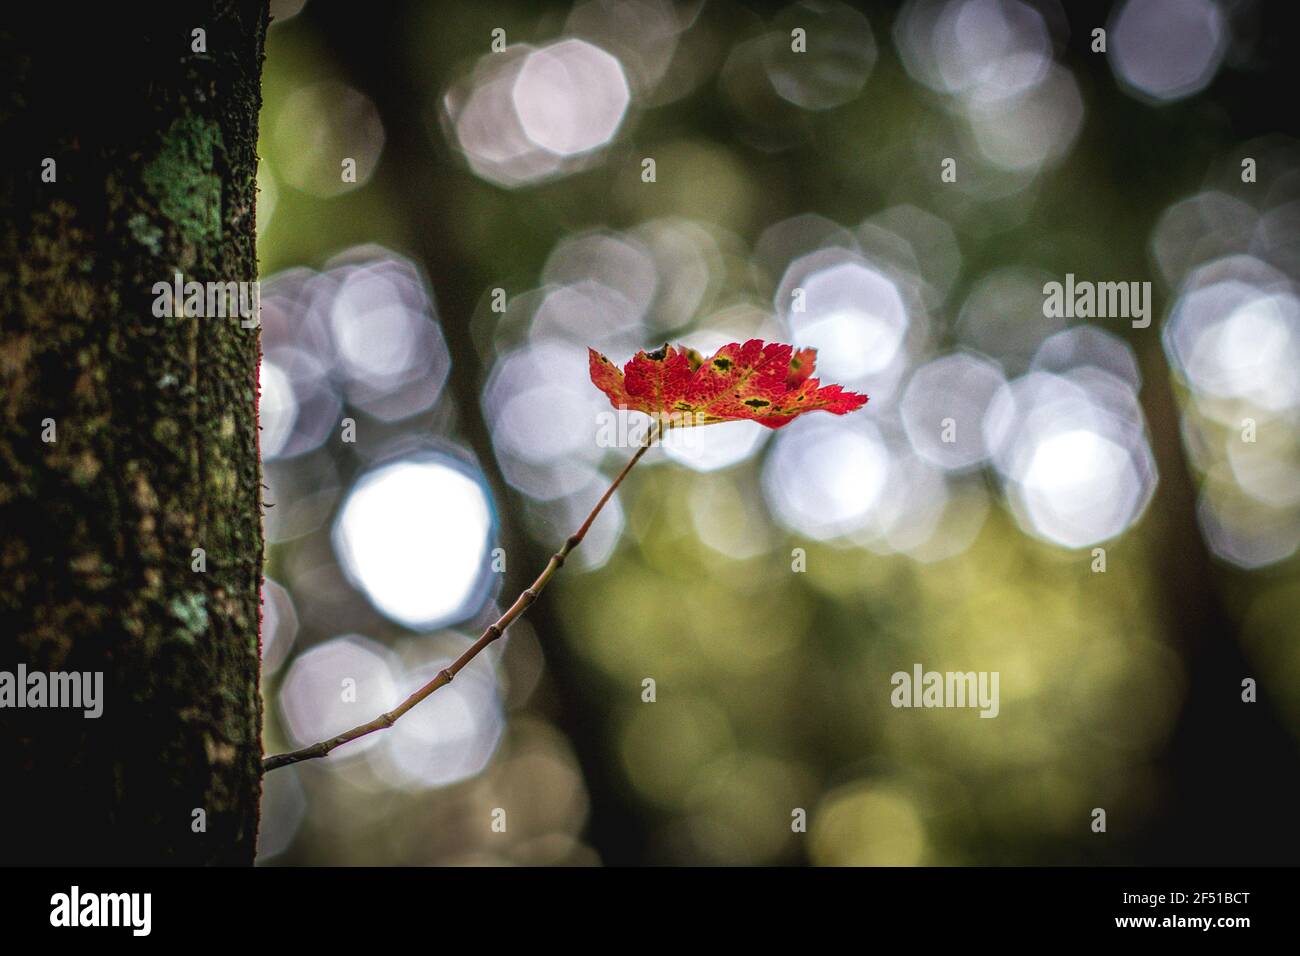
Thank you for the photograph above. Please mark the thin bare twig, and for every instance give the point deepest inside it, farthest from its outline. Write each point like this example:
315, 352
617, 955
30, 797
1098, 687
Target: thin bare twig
495, 630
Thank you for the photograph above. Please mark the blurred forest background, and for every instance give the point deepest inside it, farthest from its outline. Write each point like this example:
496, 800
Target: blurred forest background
521, 169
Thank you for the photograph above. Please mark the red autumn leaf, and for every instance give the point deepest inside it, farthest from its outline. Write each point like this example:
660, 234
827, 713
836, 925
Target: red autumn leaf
768, 383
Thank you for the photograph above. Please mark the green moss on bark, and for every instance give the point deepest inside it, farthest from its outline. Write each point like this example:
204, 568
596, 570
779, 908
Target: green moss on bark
181, 181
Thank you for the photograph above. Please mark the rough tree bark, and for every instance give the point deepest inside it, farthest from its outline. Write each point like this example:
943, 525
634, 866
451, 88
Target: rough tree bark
155, 451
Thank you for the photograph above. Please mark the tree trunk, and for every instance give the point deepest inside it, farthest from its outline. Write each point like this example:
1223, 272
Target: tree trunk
127, 439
